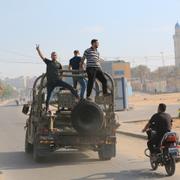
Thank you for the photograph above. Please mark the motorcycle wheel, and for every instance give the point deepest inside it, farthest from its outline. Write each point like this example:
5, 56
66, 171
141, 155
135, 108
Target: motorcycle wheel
170, 166
154, 164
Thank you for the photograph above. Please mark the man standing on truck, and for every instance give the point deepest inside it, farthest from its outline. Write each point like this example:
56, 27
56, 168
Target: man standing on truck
93, 68
53, 76
74, 64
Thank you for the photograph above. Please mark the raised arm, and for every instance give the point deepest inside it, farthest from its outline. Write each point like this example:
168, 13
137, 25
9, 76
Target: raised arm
39, 52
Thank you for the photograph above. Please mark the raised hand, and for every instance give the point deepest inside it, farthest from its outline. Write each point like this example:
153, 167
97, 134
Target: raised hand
39, 52
37, 46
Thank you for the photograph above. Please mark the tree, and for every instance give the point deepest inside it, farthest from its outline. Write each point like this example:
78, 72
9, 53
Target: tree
141, 72
162, 73
7, 91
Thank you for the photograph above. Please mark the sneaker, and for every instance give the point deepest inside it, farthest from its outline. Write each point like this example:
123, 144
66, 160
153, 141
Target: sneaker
81, 99
89, 99
107, 94
77, 99
117, 125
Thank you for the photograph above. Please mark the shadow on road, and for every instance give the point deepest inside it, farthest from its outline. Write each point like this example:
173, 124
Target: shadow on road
21, 160
125, 175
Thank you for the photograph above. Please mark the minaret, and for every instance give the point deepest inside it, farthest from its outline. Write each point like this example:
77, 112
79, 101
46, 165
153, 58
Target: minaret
176, 38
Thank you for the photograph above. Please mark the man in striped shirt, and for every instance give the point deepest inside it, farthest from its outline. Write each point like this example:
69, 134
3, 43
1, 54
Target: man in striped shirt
93, 68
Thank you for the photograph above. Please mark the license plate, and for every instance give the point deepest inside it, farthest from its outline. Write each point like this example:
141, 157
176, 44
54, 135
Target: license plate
174, 151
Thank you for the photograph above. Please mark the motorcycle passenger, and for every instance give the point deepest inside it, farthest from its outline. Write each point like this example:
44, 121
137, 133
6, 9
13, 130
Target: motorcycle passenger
160, 123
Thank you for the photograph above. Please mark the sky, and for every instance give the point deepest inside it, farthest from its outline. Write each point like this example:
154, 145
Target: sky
137, 31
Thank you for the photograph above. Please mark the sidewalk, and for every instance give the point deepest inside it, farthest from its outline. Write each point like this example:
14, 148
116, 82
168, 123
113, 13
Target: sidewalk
134, 128
145, 112
2, 103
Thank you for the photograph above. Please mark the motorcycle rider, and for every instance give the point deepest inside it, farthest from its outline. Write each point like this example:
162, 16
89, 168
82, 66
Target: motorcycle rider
160, 123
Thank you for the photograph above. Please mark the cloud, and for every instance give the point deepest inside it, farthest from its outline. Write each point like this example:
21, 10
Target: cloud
92, 29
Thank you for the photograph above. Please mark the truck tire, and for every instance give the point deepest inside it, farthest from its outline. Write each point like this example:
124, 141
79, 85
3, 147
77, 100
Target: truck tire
87, 117
36, 152
28, 146
106, 151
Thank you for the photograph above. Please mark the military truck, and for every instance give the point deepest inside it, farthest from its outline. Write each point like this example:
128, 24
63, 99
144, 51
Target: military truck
70, 124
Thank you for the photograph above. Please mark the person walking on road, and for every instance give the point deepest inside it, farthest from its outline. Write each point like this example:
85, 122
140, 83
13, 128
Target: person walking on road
53, 76
93, 68
74, 64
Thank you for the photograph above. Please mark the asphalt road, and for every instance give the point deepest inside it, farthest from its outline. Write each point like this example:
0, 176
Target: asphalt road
130, 163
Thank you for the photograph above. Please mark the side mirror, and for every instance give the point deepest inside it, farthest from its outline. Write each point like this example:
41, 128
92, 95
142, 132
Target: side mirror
25, 109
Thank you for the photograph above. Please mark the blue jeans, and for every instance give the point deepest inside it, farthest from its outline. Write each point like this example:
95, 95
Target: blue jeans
82, 83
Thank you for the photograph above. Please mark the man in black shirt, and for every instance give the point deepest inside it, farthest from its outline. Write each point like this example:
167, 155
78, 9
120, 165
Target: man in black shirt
161, 123
74, 64
53, 75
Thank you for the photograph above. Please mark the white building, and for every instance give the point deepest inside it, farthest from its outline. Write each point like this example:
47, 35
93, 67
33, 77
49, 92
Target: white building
176, 38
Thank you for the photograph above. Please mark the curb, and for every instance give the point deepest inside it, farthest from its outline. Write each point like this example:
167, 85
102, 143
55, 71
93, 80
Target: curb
142, 120
141, 136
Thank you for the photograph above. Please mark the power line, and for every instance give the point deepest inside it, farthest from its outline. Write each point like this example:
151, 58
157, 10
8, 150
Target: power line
17, 53
18, 62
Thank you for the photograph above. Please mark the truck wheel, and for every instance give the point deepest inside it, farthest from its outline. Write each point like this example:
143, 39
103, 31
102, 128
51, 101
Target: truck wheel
36, 153
87, 117
106, 151
28, 146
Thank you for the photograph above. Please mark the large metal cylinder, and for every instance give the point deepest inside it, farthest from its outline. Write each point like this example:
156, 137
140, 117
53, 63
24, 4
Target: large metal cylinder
87, 117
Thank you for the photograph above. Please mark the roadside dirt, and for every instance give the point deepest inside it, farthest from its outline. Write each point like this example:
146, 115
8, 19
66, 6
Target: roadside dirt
141, 99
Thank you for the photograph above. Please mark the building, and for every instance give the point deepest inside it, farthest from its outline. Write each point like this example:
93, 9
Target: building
117, 68
176, 38
121, 73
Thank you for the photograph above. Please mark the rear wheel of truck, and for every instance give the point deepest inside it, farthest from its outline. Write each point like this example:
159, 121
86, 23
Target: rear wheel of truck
28, 146
36, 153
106, 151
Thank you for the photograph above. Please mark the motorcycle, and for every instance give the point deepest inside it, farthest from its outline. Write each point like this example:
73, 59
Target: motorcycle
168, 153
